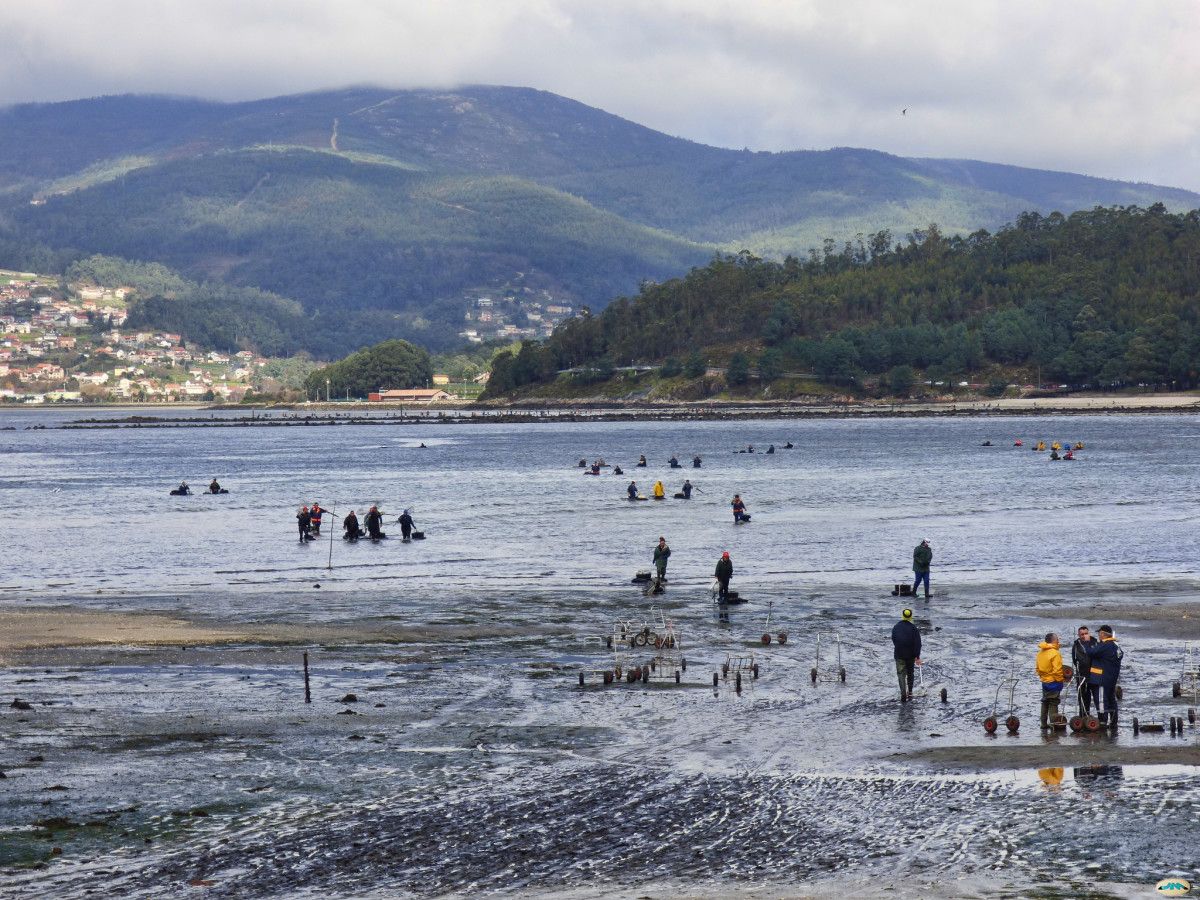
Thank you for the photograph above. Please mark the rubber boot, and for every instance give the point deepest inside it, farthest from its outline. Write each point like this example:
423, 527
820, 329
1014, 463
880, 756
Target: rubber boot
1112, 720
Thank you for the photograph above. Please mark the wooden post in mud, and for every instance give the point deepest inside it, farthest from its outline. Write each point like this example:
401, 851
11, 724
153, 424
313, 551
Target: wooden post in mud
332, 526
307, 691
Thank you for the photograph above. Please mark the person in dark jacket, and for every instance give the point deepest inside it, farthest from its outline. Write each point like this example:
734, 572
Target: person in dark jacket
214, 486
641, 463
723, 574
661, 554
922, 557
406, 525
632, 490
1081, 653
906, 641
350, 527
1103, 672
374, 520
686, 490
304, 523
697, 462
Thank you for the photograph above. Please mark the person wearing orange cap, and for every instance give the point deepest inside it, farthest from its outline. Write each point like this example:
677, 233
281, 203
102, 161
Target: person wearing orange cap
723, 574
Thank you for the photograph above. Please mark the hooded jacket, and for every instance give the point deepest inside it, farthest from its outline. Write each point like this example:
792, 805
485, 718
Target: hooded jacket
661, 553
922, 556
1049, 667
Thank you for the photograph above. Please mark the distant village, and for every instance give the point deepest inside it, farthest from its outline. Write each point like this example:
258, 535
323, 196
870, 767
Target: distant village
70, 344
515, 313
75, 348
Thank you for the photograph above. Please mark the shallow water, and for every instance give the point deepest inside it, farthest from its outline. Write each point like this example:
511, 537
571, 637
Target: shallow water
506, 509
487, 767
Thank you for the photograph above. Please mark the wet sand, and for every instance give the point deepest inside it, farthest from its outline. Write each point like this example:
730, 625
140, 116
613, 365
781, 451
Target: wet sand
1166, 619
159, 749
37, 633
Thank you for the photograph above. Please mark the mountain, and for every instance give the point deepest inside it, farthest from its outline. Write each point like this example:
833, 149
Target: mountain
386, 207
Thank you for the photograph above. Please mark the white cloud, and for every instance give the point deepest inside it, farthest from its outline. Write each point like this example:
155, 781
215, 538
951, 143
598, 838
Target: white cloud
1101, 87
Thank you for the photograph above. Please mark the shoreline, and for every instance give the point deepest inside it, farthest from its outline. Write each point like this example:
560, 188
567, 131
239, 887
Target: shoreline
323, 414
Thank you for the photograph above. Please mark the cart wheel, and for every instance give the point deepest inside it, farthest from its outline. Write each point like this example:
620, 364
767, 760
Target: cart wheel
581, 679
1013, 724
1172, 725
716, 681
1191, 715
1176, 689
737, 682
1120, 693
766, 639
1076, 723
683, 663
669, 642
617, 671
1136, 727
989, 724
608, 677
813, 674
658, 643
754, 670
842, 675
781, 637
633, 642
1091, 723
677, 676
646, 676
943, 695
640, 640
608, 642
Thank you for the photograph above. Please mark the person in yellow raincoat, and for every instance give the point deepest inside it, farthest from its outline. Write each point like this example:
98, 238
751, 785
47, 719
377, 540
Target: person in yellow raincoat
1050, 671
659, 491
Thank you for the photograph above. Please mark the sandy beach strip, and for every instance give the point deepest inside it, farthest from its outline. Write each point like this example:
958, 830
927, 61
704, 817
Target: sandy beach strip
47, 628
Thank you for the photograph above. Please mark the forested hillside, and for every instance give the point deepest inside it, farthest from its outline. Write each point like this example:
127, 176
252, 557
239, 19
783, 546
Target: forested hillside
382, 213
1098, 298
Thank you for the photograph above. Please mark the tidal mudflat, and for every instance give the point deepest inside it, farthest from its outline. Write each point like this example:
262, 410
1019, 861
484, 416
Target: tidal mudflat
157, 643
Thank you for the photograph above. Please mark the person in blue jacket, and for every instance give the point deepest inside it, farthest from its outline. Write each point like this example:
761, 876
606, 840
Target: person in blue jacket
1104, 661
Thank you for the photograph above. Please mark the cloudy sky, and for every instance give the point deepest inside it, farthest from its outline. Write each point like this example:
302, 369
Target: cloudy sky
1105, 88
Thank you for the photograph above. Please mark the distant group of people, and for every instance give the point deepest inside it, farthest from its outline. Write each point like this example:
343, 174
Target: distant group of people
184, 490
659, 491
1040, 447
723, 572
1097, 668
309, 519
